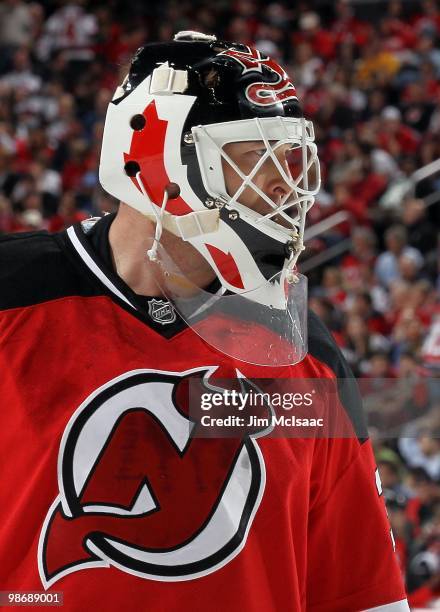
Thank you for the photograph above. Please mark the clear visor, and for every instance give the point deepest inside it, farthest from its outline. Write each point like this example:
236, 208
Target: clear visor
266, 326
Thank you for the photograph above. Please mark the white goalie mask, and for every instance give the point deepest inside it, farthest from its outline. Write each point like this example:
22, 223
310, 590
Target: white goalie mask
168, 152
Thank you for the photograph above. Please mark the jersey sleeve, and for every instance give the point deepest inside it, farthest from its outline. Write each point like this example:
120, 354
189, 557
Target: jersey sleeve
352, 564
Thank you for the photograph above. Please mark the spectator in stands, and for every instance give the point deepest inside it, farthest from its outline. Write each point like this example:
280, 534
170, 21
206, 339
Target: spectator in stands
394, 136
398, 188
21, 77
321, 40
391, 476
420, 448
387, 264
421, 234
430, 351
16, 27
377, 64
417, 107
407, 334
361, 304
328, 313
379, 366
67, 214
427, 20
307, 65
360, 344
410, 264
71, 29
357, 263
332, 287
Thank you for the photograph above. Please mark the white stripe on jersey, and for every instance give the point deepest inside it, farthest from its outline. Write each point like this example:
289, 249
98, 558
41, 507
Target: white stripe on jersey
94, 268
397, 606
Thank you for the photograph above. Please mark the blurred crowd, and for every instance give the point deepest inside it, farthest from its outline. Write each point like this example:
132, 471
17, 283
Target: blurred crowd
368, 76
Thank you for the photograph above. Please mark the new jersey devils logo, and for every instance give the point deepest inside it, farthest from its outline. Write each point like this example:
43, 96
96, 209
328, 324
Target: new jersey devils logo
138, 492
263, 93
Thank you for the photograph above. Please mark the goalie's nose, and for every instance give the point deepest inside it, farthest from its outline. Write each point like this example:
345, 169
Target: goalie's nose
276, 185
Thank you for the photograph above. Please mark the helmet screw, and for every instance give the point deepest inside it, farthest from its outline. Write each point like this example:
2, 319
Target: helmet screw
219, 203
188, 138
209, 203
233, 215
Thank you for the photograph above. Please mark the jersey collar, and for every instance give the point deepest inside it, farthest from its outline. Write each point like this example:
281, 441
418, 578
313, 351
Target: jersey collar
157, 313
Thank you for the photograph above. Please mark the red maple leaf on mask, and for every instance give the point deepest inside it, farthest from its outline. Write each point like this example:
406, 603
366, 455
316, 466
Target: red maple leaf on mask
226, 265
147, 149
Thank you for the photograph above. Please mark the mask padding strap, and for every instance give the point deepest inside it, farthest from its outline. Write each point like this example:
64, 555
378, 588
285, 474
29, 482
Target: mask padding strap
152, 253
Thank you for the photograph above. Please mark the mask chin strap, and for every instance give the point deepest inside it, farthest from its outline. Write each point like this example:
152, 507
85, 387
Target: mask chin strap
152, 253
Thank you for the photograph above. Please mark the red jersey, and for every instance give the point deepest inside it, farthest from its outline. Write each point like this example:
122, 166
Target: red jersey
106, 498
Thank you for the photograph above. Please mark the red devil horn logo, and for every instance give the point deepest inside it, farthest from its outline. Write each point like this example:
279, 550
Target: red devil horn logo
136, 489
263, 93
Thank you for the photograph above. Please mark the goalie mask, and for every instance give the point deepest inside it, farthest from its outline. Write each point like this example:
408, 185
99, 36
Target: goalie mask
166, 152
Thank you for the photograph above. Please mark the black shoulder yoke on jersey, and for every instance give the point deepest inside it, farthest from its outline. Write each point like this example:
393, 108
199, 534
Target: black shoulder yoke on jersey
322, 346
34, 269
37, 267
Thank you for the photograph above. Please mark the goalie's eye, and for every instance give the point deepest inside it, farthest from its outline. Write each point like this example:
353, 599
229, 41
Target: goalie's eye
252, 150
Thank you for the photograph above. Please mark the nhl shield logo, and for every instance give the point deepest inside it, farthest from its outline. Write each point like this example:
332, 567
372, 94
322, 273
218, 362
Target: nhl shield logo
161, 311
